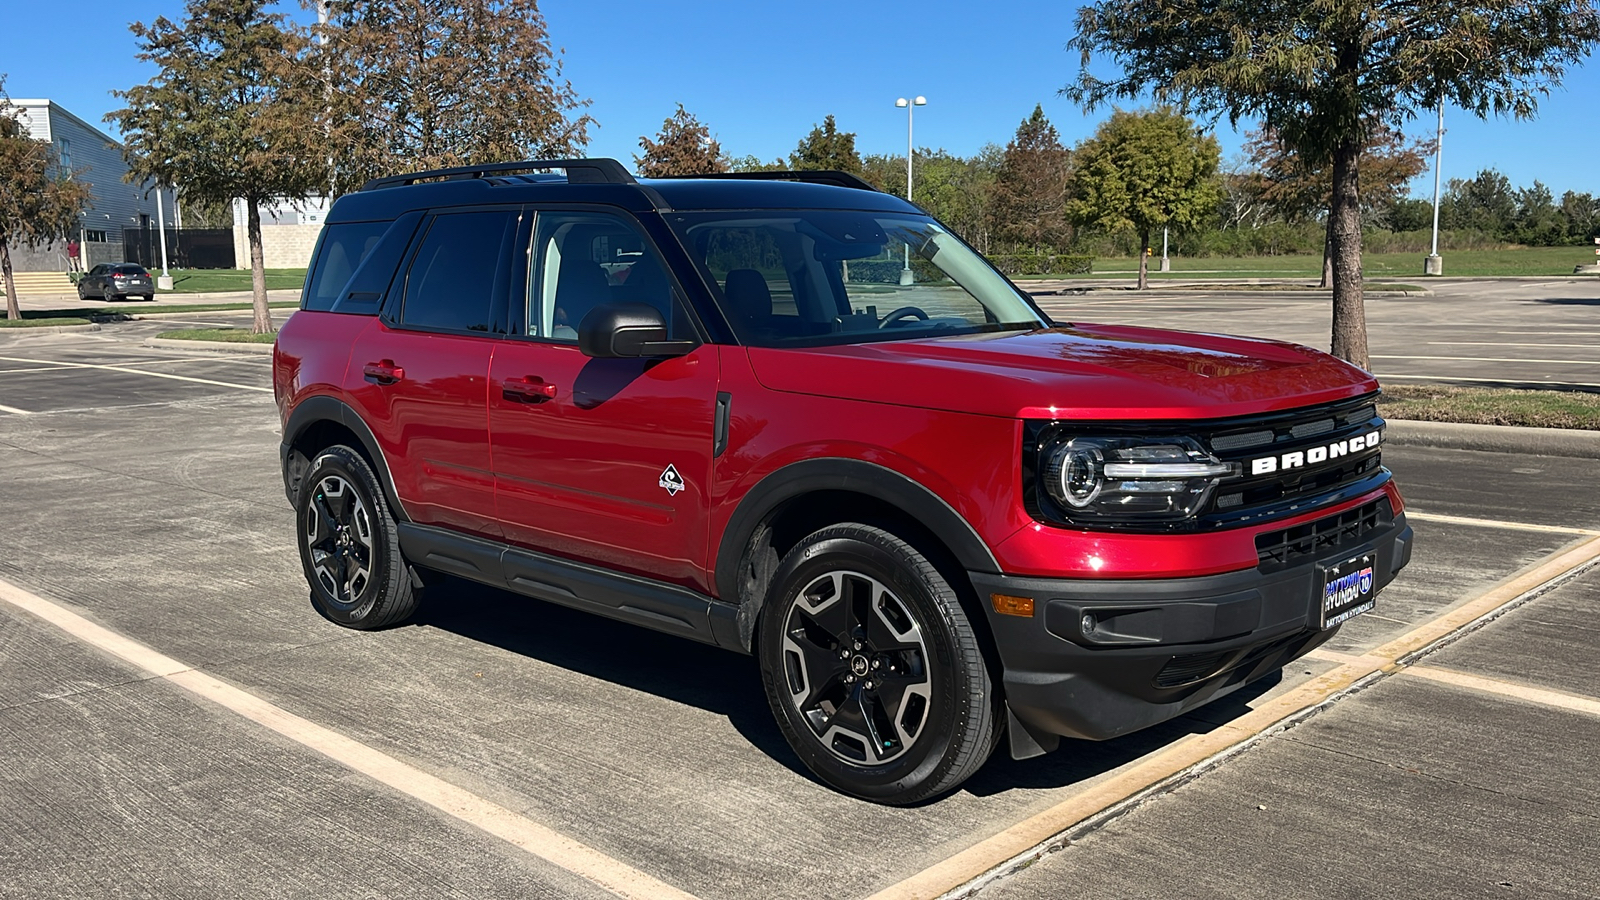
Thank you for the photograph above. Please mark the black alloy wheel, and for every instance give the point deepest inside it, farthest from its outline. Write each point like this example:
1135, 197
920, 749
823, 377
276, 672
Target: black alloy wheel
872, 668
349, 544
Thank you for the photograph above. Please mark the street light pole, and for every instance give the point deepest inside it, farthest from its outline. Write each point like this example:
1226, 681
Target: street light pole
910, 108
165, 282
1433, 265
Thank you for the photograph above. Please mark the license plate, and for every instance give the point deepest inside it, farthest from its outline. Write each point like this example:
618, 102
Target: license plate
1348, 590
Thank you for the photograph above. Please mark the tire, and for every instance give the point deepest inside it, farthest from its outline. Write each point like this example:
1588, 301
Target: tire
108, 295
349, 544
852, 606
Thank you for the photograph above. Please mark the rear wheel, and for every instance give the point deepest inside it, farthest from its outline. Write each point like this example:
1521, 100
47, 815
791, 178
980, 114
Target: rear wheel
350, 545
872, 667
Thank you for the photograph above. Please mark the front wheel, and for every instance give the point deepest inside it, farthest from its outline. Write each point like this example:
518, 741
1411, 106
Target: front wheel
872, 667
350, 545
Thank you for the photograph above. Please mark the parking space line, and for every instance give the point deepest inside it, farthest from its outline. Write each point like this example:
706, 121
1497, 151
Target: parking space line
168, 375
37, 369
1496, 523
1541, 696
574, 856
1512, 344
14, 411
1026, 841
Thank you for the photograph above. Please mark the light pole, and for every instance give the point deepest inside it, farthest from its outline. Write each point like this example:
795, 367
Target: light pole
1433, 265
910, 107
165, 281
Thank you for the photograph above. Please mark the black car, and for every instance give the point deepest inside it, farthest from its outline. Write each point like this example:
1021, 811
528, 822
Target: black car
117, 281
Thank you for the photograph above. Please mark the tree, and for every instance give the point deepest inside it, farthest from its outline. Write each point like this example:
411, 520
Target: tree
1030, 189
957, 191
1143, 171
1485, 203
684, 147
39, 201
431, 84
1321, 73
753, 163
827, 148
1300, 186
219, 117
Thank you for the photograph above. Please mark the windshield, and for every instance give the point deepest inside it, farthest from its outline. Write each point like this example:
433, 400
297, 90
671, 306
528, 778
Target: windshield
810, 277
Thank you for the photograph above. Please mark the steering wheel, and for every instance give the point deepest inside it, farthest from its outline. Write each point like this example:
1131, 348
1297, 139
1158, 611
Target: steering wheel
901, 313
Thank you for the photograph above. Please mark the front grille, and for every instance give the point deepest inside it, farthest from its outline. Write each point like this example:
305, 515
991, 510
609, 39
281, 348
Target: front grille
1321, 538
1308, 450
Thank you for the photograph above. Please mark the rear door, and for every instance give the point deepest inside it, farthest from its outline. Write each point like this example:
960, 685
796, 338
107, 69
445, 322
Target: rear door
420, 374
600, 460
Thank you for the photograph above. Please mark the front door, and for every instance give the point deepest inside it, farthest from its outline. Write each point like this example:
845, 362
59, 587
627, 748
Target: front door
601, 460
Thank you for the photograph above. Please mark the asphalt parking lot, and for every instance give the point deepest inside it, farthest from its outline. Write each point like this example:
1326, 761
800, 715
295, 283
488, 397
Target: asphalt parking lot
498, 746
1541, 333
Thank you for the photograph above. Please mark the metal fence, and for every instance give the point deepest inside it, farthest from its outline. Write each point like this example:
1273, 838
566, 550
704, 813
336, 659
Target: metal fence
192, 248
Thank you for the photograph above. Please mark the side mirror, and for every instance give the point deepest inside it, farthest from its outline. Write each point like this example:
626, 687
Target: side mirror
627, 331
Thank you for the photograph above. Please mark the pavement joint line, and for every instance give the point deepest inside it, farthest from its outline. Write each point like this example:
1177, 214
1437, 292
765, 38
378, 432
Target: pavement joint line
1497, 523
169, 375
1499, 359
1477, 683
537, 840
1513, 380
968, 871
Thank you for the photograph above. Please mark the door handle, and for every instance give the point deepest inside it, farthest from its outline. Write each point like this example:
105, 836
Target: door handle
528, 389
383, 372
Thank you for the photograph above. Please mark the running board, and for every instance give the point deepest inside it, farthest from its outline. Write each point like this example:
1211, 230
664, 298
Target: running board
628, 598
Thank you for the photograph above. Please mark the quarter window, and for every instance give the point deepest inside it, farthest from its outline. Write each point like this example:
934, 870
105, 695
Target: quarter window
343, 249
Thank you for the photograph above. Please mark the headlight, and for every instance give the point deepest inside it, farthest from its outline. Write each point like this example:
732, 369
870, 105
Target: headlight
1114, 481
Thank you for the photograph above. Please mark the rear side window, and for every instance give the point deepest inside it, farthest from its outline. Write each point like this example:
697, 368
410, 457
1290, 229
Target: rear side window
451, 283
129, 270
342, 249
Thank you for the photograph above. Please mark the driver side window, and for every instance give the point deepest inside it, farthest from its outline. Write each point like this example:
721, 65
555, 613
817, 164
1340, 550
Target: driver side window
581, 260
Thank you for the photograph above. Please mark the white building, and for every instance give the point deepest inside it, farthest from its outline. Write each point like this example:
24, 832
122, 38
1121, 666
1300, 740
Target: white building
97, 159
289, 230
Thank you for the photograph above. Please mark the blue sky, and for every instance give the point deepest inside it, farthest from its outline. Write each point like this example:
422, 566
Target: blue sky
762, 74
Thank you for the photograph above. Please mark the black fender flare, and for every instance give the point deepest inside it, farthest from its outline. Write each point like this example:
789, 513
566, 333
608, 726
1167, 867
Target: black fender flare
323, 408
839, 474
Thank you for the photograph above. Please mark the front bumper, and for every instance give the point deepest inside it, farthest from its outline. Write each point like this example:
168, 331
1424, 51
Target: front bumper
1159, 647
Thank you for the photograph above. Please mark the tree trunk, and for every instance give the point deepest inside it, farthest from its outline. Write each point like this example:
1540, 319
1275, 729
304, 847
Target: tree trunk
262, 323
13, 309
1327, 255
1144, 259
1349, 311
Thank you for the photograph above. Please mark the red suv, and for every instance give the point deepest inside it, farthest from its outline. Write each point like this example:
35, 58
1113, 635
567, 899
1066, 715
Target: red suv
789, 415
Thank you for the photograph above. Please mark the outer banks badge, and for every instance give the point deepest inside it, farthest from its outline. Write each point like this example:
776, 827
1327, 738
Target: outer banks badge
671, 481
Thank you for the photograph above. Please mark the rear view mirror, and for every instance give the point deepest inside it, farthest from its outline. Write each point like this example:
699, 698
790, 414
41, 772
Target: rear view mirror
627, 331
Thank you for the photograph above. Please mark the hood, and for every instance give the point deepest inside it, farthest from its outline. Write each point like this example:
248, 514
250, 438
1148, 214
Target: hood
1071, 372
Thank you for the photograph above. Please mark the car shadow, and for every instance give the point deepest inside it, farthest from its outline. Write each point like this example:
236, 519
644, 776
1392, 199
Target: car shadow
729, 684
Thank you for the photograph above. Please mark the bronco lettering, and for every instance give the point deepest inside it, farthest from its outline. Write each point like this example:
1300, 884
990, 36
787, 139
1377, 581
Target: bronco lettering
1266, 465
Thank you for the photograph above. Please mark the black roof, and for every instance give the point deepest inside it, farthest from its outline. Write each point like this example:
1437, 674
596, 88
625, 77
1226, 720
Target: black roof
605, 181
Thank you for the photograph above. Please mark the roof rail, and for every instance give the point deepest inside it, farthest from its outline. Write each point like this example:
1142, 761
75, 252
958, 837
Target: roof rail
822, 176
579, 171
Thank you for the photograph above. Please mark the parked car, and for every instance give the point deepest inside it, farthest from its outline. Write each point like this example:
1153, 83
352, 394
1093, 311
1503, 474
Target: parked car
117, 281
720, 408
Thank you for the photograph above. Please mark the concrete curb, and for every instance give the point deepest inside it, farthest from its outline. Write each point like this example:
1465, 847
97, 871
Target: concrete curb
1494, 438
218, 346
51, 329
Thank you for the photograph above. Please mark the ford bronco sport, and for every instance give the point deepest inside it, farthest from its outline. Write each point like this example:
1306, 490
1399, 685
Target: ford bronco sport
722, 408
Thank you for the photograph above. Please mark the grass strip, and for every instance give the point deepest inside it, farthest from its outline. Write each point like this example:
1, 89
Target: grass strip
1492, 406
41, 321
133, 309
225, 335
200, 281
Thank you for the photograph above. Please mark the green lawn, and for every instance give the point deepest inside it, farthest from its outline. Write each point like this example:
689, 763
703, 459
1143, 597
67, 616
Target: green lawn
44, 321
1529, 261
134, 309
226, 335
1491, 406
195, 281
